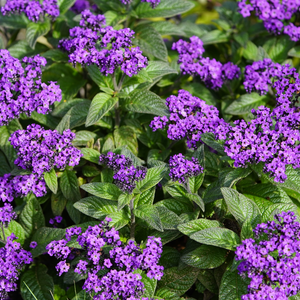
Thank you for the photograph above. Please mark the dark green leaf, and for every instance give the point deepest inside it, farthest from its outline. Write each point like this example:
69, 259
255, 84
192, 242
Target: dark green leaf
58, 203
169, 219
14, 21
123, 200
214, 37
219, 237
69, 186
39, 283
192, 227
101, 104
82, 137
21, 49
64, 5
35, 30
56, 55
105, 190
17, 229
150, 215
125, 136
90, 155
157, 69
167, 28
51, 180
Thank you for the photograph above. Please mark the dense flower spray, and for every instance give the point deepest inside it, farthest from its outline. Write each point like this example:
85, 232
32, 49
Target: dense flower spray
181, 169
272, 259
126, 174
34, 10
210, 71
190, 117
21, 88
102, 252
276, 15
79, 6
93, 43
40, 150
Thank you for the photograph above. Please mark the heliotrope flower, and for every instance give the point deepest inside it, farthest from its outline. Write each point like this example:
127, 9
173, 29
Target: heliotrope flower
108, 48
34, 10
21, 88
272, 260
102, 250
210, 71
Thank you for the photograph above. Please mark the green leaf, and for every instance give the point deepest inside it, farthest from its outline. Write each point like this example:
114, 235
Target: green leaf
233, 286
73, 212
150, 284
69, 186
35, 30
96, 207
101, 104
205, 257
51, 180
208, 280
120, 219
169, 219
209, 139
219, 237
150, 41
98, 78
43, 236
39, 283
5, 146
250, 51
200, 91
197, 199
150, 215
166, 9
58, 203
125, 136
245, 103
82, 138
104, 190
64, 5
241, 207
123, 200
14, 21
48, 120
17, 229
153, 177
214, 37
170, 257
56, 55
194, 226
158, 69
21, 49
31, 217
178, 281
146, 102
90, 155
295, 52
167, 28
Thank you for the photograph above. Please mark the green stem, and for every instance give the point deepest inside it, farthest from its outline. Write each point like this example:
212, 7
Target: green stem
132, 222
187, 186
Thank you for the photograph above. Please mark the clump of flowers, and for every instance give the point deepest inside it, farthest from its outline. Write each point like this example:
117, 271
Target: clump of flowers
276, 15
271, 138
34, 10
12, 259
153, 3
21, 88
102, 250
92, 43
79, 6
20, 186
272, 259
126, 174
56, 219
40, 150
190, 117
264, 74
7, 214
210, 71
181, 169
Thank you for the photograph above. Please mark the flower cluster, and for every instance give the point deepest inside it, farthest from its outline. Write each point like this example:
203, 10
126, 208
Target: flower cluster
40, 150
153, 3
102, 250
181, 168
264, 74
275, 14
7, 214
92, 43
211, 72
21, 185
79, 6
190, 117
34, 10
126, 175
21, 88
272, 260
12, 260
271, 137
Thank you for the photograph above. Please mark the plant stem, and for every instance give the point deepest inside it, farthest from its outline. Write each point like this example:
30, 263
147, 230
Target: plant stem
119, 87
187, 186
117, 115
114, 81
132, 221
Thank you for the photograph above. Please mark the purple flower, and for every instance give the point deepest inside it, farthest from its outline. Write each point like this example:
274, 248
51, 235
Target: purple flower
181, 169
93, 43
33, 244
34, 10
211, 72
272, 276
117, 264
40, 150
21, 88
126, 175
79, 6
7, 214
